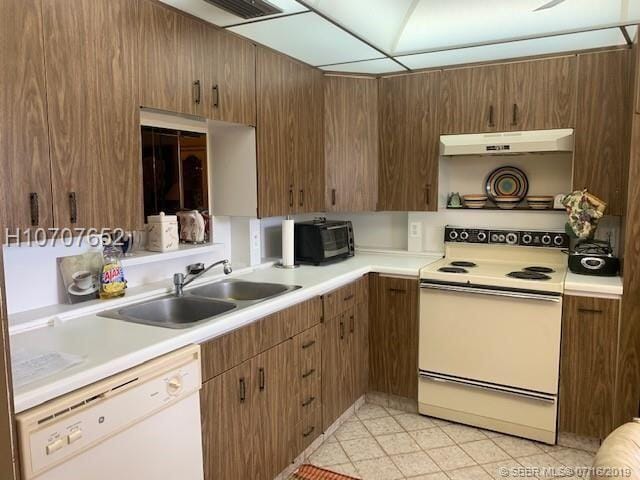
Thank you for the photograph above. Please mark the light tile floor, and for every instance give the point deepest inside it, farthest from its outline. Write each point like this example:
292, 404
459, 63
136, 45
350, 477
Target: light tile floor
380, 443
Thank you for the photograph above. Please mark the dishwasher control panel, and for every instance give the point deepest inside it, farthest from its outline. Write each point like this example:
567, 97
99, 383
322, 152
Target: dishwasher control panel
101, 414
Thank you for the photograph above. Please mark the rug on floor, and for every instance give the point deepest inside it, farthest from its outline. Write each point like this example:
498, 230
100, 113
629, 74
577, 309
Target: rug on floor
309, 472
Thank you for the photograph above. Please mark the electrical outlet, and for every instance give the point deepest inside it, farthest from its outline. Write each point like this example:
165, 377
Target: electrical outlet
415, 230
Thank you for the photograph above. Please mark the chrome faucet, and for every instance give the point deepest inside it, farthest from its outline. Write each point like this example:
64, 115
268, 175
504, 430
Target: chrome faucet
196, 270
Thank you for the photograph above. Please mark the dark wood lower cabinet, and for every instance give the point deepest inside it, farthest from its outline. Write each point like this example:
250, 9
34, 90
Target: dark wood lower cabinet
334, 348
393, 335
588, 365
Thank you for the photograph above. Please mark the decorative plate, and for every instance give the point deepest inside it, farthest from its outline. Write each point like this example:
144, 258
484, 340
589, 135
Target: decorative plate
507, 181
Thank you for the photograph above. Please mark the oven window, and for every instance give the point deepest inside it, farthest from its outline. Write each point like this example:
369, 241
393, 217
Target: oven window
335, 240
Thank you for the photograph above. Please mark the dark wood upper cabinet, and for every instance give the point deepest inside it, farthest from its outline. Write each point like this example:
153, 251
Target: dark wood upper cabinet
540, 94
636, 54
230, 81
351, 143
92, 89
25, 182
409, 142
588, 365
602, 126
472, 99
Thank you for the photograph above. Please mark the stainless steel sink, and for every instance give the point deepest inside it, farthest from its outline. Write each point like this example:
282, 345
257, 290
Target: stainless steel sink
171, 312
242, 291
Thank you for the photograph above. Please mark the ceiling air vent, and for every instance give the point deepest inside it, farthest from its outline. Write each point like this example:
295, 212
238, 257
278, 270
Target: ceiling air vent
246, 8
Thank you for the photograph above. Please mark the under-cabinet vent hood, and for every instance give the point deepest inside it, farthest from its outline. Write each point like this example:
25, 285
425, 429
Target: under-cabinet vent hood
246, 8
507, 143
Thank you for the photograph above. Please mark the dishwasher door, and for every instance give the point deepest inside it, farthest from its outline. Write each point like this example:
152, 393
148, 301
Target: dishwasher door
143, 423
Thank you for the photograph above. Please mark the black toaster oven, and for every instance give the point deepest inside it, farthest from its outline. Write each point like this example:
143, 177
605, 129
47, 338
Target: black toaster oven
321, 241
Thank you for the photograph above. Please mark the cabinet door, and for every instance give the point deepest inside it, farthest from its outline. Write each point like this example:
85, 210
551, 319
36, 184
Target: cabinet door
230, 90
275, 137
409, 142
334, 378
540, 94
359, 329
601, 137
471, 100
25, 182
351, 143
636, 53
393, 336
273, 374
92, 85
309, 140
588, 365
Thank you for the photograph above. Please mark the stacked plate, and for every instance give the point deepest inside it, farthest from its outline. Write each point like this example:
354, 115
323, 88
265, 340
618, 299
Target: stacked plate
475, 201
540, 202
507, 202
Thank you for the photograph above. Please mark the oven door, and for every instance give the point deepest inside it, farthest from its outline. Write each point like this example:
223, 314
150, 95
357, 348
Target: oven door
497, 337
336, 241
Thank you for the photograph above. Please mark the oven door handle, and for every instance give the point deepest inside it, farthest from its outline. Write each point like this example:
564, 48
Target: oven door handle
518, 393
489, 291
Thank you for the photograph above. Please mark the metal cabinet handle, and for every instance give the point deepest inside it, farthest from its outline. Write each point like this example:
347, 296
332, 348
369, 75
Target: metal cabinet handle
308, 344
215, 90
491, 124
589, 310
35, 213
73, 207
243, 390
308, 373
308, 401
398, 290
196, 92
291, 197
261, 378
348, 297
514, 113
308, 432
333, 196
302, 198
427, 194
341, 330
353, 324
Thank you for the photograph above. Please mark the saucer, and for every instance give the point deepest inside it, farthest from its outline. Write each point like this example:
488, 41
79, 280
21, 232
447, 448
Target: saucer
74, 290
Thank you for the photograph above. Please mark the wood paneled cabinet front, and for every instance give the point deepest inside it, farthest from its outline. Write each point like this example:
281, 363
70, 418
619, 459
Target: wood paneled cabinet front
602, 129
588, 365
393, 335
529, 95
409, 142
351, 143
288, 136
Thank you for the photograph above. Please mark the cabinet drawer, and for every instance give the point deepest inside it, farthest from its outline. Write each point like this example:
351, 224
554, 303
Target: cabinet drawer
337, 301
308, 429
307, 346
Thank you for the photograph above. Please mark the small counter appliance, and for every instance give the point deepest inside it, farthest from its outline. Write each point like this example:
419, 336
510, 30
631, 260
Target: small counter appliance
321, 241
594, 257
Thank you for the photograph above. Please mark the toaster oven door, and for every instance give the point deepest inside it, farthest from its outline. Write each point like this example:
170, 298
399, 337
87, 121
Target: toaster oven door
336, 241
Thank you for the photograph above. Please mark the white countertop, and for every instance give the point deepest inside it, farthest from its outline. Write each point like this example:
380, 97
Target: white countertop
590, 285
110, 346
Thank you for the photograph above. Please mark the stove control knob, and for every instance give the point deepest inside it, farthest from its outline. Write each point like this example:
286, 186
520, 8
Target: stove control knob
526, 239
558, 240
464, 235
546, 239
512, 238
482, 236
501, 238
453, 235
495, 237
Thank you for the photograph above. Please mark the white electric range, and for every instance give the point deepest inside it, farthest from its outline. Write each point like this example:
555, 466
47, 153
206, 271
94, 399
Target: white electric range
490, 327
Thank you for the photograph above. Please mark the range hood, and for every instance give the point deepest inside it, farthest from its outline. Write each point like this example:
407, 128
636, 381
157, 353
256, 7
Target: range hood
506, 143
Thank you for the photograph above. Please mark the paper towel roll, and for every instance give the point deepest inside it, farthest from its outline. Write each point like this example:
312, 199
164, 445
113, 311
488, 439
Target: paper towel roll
287, 243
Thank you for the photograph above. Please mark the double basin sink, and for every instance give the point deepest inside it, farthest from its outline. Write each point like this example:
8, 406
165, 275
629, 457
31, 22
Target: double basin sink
199, 304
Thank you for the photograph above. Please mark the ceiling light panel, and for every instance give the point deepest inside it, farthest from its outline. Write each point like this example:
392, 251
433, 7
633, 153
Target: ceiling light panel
437, 24
308, 37
220, 17
524, 48
377, 66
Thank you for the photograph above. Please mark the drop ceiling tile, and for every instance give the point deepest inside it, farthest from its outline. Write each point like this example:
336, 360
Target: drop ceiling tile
218, 16
524, 48
308, 37
380, 65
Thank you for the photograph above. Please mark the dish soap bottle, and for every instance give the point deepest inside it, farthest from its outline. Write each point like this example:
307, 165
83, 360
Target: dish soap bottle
112, 282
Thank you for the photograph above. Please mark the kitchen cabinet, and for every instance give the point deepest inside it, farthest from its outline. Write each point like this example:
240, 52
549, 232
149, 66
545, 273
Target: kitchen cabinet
602, 126
636, 54
229, 92
288, 136
92, 97
409, 142
540, 94
472, 99
351, 143
393, 335
171, 59
25, 182
588, 365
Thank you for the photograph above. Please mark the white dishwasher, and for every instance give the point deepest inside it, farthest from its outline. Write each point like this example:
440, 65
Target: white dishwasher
143, 423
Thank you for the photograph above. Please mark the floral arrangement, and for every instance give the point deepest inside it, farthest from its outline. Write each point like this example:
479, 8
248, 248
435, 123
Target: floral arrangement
584, 210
